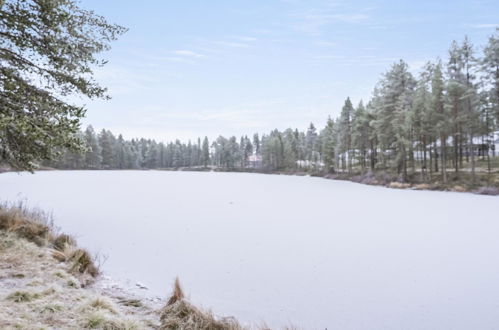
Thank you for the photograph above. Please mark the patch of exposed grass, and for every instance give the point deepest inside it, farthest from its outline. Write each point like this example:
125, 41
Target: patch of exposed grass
180, 314
22, 296
59, 274
73, 284
99, 320
103, 304
59, 301
31, 254
36, 226
82, 262
51, 309
61, 241
399, 185
131, 302
33, 225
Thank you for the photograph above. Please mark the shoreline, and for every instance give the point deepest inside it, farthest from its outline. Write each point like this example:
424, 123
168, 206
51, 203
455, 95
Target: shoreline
369, 178
47, 280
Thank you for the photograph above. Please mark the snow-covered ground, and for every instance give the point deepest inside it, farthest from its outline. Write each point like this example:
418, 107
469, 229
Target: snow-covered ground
286, 249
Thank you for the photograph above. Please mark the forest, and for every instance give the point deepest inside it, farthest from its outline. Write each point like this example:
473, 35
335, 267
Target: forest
439, 125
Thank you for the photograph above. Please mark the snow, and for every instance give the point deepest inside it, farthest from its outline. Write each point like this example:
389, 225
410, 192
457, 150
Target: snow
285, 249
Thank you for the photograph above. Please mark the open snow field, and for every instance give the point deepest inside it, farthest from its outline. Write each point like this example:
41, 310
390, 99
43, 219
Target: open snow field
285, 249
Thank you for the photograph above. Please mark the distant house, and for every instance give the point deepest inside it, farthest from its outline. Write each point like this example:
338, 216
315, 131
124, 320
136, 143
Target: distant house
487, 144
255, 161
496, 143
481, 146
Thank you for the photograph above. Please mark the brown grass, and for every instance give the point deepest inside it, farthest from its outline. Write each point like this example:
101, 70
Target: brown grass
36, 226
458, 188
178, 293
18, 225
63, 240
399, 185
48, 296
180, 314
82, 262
423, 186
16, 220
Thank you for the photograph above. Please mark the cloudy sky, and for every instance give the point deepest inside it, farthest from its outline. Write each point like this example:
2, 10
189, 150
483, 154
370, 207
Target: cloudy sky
194, 68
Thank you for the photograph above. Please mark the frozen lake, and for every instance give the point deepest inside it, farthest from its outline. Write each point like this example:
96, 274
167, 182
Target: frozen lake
312, 252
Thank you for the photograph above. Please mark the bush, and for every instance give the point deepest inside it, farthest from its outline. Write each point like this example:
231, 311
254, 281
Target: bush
488, 190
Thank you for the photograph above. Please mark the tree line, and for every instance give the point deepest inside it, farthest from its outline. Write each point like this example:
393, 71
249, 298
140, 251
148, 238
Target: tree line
439, 122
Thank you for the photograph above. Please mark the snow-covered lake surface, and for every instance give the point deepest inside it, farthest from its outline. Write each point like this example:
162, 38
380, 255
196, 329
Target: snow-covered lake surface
312, 252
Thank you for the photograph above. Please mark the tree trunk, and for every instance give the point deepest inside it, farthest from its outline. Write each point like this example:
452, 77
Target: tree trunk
436, 154
443, 154
472, 157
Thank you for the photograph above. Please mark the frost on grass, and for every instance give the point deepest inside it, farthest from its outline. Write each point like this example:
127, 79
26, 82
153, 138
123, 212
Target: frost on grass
180, 314
44, 281
39, 290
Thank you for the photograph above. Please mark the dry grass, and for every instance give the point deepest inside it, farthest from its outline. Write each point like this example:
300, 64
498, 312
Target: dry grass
102, 303
62, 241
81, 262
36, 226
399, 185
458, 188
48, 296
423, 186
178, 293
18, 221
180, 314
22, 296
44, 285
103, 321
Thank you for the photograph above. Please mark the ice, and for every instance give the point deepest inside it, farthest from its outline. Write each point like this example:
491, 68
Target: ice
286, 249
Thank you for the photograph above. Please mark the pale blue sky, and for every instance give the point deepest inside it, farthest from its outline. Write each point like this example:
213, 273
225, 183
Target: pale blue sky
195, 68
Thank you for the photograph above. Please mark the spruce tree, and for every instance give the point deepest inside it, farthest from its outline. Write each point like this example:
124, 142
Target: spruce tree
47, 51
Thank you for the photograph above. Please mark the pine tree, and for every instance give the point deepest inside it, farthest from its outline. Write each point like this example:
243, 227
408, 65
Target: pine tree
329, 145
206, 152
108, 151
310, 147
93, 157
440, 114
47, 51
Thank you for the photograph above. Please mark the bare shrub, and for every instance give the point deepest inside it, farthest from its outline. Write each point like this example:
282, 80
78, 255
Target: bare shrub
488, 190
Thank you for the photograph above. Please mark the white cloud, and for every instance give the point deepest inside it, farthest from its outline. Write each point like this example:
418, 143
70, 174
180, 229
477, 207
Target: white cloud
187, 53
313, 21
246, 38
233, 44
350, 18
176, 59
484, 26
